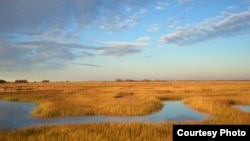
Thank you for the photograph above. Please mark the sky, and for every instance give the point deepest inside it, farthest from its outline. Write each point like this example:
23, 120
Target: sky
91, 40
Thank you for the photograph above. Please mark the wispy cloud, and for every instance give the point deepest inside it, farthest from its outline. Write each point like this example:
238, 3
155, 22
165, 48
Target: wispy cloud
118, 49
153, 27
87, 54
172, 22
161, 5
159, 8
118, 23
184, 1
45, 32
224, 25
126, 44
11, 57
86, 64
231, 8
44, 16
144, 38
53, 44
28, 54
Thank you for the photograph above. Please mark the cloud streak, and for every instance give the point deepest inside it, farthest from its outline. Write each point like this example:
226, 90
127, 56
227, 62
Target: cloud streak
118, 49
46, 32
86, 64
144, 38
54, 44
224, 25
118, 23
28, 16
153, 28
23, 55
184, 1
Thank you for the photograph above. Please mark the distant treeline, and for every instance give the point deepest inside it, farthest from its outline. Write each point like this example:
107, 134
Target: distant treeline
3, 81
45, 81
131, 80
21, 81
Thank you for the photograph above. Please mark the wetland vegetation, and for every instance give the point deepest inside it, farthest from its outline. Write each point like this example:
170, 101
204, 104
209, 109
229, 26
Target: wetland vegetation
56, 99
16, 115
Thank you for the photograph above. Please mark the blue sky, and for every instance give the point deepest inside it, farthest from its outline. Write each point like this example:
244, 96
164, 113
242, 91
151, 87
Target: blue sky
81, 40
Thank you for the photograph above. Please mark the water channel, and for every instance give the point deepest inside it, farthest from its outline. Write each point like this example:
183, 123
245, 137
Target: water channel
243, 108
15, 115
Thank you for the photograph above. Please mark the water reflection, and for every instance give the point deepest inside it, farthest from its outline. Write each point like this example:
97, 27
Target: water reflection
17, 115
243, 108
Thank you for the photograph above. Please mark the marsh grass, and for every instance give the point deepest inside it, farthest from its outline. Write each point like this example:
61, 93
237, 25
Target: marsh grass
92, 132
215, 98
74, 99
123, 94
221, 109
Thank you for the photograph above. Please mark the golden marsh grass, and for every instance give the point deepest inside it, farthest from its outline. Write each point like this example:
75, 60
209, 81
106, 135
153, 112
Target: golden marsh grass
124, 98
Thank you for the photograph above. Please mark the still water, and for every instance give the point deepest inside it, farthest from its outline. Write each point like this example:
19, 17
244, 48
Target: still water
243, 108
15, 115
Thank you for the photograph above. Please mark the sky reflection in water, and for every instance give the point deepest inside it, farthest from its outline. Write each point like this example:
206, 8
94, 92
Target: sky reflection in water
243, 108
17, 115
